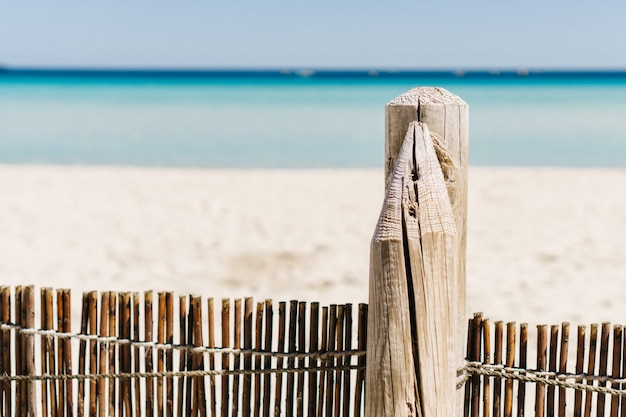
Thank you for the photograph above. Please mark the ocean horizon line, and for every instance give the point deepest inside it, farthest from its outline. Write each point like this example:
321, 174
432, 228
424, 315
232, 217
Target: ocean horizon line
304, 72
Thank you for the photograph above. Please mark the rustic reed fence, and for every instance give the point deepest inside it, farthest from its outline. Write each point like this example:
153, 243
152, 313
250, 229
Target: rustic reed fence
140, 356
587, 379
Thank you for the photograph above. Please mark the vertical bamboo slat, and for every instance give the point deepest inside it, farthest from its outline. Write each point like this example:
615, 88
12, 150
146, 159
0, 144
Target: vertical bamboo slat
29, 345
291, 385
7, 358
580, 363
497, 385
523, 363
136, 352
541, 366
67, 351
301, 348
169, 354
160, 354
258, 346
113, 348
82, 356
225, 357
149, 363
314, 317
211, 340
591, 366
92, 298
338, 361
269, 318
282, 314
563, 365
486, 330
103, 353
552, 367
348, 361
360, 375
617, 366
20, 402
247, 358
323, 348
237, 360
604, 354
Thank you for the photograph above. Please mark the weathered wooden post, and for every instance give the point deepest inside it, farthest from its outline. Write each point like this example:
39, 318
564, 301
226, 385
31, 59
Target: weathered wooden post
417, 268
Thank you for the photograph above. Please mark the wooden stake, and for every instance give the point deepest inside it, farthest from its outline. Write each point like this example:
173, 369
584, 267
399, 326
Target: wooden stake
348, 361
136, 353
552, 366
323, 348
330, 362
339, 329
237, 364
81, 355
497, 384
301, 362
29, 345
160, 354
92, 299
247, 358
7, 359
580, 363
169, 353
113, 383
591, 366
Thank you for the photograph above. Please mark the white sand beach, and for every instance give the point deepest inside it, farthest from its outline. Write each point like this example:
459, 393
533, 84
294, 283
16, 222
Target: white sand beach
544, 245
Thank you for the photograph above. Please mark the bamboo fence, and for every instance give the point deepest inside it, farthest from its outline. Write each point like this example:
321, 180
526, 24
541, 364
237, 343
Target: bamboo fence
150, 356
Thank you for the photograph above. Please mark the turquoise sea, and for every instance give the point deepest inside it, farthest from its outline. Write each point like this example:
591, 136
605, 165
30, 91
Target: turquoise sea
299, 119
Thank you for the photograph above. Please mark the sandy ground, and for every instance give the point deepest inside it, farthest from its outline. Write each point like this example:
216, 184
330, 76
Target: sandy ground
544, 245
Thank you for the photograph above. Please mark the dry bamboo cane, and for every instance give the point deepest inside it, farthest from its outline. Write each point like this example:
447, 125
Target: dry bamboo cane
279, 361
552, 366
330, 362
486, 330
169, 353
237, 359
293, 316
103, 352
225, 357
82, 355
52, 362
200, 393
125, 330
267, 381
29, 345
113, 365
323, 348
20, 400
183, 354
301, 362
313, 363
67, 350
622, 386
617, 366
347, 362
604, 354
148, 336
523, 363
339, 361
360, 375
247, 358
211, 337
563, 365
497, 385
92, 298
591, 366
7, 359
258, 345
45, 369
136, 353
190, 387
160, 354
475, 329
469, 354
580, 363
541, 366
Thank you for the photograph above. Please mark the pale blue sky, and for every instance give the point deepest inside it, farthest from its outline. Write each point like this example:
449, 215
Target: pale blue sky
320, 34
